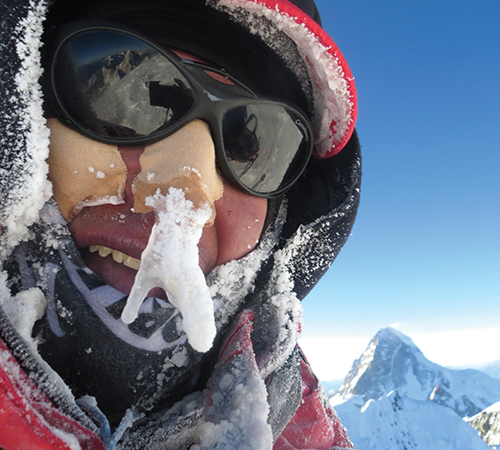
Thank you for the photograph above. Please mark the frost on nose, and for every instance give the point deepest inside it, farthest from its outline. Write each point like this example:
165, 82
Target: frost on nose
185, 160
179, 182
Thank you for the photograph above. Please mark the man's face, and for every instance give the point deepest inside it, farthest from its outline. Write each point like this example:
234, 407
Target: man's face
235, 232
112, 237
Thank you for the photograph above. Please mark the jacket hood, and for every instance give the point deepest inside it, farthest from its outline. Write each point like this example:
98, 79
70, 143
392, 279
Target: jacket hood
312, 67
306, 228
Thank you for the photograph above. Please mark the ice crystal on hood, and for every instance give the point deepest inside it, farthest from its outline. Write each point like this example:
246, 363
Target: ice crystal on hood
287, 306
333, 100
236, 407
171, 261
30, 190
246, 428
24, 310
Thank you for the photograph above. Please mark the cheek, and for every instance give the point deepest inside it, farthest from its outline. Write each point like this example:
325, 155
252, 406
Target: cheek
238, 224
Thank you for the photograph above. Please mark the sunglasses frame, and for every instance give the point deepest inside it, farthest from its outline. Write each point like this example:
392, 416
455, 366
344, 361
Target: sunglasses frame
212, 99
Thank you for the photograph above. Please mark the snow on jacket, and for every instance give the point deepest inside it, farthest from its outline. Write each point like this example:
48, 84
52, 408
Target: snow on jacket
254, 389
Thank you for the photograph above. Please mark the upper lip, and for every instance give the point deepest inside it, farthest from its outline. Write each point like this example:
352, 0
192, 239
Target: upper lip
95, 228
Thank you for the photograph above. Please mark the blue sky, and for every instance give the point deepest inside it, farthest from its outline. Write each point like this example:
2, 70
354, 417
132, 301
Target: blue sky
425, 250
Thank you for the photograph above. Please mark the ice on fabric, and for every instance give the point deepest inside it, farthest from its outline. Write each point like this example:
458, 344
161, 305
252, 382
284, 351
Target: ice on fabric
36, 406
236, 405
171, 261
24, 310
24, 184
333, 88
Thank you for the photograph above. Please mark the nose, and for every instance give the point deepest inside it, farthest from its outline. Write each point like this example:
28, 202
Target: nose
131, 157
185, 160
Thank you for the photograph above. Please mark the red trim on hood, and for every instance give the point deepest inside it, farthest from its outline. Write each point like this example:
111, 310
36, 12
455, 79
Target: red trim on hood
304, 19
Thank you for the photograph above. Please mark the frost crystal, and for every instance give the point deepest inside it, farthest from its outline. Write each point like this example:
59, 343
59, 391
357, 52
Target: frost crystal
171, 261
27, 194
333, 99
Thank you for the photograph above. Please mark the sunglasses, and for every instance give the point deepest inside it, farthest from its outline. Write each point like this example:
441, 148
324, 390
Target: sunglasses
117, 87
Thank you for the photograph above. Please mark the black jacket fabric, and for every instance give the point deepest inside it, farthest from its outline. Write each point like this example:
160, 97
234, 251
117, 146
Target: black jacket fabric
305, 231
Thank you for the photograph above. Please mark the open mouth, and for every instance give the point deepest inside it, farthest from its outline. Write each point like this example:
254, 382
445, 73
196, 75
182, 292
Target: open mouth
111, 239
115, 268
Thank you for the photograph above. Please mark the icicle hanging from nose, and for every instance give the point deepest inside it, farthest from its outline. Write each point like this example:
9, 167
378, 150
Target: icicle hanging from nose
180, 183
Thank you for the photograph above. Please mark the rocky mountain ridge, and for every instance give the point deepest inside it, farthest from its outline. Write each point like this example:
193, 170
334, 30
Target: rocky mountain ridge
394, 398
393, 362
487, 423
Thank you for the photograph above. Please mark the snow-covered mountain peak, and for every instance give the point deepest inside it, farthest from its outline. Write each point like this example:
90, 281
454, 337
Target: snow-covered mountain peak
397, 423
392, 362
389, 334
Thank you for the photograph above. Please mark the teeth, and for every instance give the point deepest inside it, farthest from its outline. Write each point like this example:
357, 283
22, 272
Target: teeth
119, 257
104, 251
132, 262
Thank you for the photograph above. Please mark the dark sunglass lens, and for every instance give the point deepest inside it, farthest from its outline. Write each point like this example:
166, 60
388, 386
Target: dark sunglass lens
117, 86
267, 145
